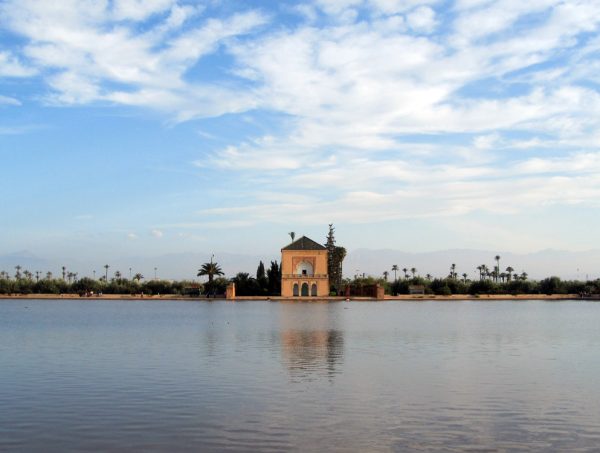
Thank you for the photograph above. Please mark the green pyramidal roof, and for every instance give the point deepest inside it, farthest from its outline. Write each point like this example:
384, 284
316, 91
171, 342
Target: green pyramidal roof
304, 243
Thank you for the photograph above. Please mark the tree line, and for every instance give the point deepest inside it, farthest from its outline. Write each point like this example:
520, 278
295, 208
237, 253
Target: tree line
267, 282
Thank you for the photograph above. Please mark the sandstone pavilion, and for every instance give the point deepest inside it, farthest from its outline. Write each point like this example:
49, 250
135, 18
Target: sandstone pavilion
304, 269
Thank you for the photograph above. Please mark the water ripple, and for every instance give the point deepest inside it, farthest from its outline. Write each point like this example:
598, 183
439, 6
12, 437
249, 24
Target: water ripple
260, 376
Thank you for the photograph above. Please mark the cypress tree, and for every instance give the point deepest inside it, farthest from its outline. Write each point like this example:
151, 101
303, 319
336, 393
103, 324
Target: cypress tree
335, 256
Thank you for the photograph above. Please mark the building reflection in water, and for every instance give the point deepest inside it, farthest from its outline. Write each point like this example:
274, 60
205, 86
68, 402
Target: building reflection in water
312, 343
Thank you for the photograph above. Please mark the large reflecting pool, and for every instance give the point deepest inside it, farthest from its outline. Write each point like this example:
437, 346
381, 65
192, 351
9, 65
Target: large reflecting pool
84, 375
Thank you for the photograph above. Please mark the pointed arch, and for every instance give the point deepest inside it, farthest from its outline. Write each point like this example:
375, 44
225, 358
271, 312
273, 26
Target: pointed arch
304, 292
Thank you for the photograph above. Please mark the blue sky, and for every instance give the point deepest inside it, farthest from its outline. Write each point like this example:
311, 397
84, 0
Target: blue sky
131, 127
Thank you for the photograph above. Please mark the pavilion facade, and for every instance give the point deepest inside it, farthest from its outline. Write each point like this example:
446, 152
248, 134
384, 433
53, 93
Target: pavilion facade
304, 269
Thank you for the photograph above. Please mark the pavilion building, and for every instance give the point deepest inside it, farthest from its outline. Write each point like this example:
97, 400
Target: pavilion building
304, 269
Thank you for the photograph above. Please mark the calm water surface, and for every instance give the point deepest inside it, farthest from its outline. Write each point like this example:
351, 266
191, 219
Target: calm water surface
87, 375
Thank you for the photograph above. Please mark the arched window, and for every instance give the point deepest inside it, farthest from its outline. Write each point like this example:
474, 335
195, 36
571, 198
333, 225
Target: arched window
313, 289
295, 290
304, 268
304, 289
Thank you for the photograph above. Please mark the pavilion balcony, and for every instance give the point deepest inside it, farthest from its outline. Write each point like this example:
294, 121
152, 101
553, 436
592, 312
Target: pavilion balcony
305, 276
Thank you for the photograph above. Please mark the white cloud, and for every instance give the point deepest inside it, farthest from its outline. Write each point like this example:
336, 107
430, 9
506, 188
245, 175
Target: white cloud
422, 19
336, 7
139, 9
10, 66
85, 53
157, 233
7, 100
504, 76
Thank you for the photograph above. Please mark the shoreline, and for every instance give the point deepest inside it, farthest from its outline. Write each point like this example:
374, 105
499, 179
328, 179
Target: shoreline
387, 298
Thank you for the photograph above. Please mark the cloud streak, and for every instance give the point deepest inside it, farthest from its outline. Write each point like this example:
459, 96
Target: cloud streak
385, 109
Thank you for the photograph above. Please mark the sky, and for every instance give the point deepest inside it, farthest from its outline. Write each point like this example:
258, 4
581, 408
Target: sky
141, 127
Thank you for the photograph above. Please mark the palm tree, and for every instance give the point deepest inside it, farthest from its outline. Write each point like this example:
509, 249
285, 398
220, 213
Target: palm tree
524, 275
210, 269
292, 235
405, 270
64, 272
413, 271
509, 271
495, 274
48, 275
138, 277
480, 269
395, 269
118, 275
106, 266
485, 271
18, 273
428, 276
27, 274
465, 275
385, 275
497, 258
453, 271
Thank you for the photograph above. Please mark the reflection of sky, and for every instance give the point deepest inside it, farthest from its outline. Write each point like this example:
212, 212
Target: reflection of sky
83, 375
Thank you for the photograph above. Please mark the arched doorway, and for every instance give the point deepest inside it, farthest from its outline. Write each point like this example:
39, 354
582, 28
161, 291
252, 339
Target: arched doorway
304, 268
295, 292
304, 289
313, 290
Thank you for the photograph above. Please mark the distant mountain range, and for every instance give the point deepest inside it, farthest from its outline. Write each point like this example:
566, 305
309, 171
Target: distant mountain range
565, 264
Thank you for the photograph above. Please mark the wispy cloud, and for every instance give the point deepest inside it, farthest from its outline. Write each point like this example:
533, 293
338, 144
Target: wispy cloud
390, 108
6, 100
93, 52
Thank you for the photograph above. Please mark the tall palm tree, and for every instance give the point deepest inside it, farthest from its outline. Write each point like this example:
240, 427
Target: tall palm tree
118, 275
138, 277
64, 272
428, 276
292, 235
48, 275
18, 273
395, 269
385, 275
453, 271
509, 271
497, 258
413, 271
405, 270
485, 271
480, 269
524, 275
106, 266
210, 269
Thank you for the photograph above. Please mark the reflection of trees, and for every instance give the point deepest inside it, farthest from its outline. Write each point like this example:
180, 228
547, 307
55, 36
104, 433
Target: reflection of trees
309, 351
